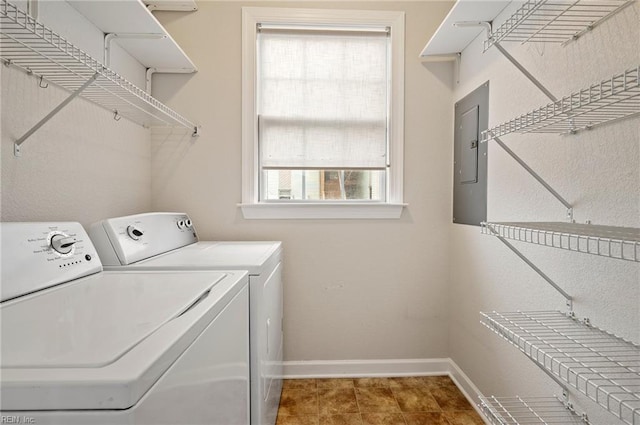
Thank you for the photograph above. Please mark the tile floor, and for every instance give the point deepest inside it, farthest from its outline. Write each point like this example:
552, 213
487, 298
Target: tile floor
424, 400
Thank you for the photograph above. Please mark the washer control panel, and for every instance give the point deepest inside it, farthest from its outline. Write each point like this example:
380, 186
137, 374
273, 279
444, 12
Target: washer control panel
125, 240
38, 255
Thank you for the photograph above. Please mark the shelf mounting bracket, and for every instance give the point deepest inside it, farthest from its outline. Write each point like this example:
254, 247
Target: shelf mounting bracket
523, 70
526, 73
564, 399
16, 146
567, 297
109, 37
487, 26
534, 175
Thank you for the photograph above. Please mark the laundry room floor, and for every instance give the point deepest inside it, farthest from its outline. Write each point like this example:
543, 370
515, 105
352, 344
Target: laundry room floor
423, 400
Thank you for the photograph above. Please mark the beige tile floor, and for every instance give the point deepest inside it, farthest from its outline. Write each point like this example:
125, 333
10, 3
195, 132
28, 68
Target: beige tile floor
424, 400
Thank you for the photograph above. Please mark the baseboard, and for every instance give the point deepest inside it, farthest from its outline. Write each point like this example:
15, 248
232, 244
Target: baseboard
385, 368
365, 368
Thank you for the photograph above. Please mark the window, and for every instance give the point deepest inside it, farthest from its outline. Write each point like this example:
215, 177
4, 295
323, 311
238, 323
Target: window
322, 113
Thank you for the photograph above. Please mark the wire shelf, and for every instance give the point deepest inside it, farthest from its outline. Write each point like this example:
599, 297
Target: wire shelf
554, 21
534, 410
598, 364
26, 43
609, 100
609, 241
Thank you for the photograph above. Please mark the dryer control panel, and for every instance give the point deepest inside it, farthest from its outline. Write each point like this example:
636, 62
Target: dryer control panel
125, 240
39, 255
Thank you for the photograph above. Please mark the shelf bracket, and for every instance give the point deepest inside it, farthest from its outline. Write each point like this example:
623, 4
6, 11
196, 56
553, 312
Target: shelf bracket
533, 174
567, 297
109, 37
150, 71
564, 399
16, 147
526, 73
487, 26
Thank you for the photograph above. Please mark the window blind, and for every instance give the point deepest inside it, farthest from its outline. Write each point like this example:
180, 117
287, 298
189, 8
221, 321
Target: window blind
322, 98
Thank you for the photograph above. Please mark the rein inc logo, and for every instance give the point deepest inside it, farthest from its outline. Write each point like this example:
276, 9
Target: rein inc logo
16, 419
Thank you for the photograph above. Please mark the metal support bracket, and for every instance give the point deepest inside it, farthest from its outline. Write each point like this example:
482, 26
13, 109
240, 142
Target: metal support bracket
487, 26
518, 65
108, 38
568, 298
151, 71
526, 73
564, 399
16, 147
534, 175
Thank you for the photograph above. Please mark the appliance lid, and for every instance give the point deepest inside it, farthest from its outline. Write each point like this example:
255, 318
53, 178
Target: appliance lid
134, 355
250, 256
93, 321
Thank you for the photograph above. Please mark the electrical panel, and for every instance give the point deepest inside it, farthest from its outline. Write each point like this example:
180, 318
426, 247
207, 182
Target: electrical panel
470, 158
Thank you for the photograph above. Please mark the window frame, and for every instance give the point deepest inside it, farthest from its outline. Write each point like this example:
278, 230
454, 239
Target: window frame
252, 207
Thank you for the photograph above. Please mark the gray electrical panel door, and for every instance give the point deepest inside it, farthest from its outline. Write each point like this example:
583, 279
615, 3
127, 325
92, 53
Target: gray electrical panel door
470, 158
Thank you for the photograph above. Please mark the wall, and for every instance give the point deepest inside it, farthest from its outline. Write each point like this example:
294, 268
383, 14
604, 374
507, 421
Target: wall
363, 289
598, 171
82, 165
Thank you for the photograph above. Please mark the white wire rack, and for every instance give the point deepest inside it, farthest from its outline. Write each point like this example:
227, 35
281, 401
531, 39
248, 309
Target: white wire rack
600, 365
608, 241
554, 21
527, 411
26, 43
612, 99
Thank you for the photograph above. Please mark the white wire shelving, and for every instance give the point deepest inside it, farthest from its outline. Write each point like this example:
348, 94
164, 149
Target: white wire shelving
26, 43
609, 241
554, 21
598, 364
533, 410
608, 100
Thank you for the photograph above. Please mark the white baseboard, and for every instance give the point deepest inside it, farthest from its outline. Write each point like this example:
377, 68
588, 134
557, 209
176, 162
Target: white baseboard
385, 368
365, 368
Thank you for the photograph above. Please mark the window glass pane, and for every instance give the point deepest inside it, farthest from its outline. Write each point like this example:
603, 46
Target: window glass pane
318, 185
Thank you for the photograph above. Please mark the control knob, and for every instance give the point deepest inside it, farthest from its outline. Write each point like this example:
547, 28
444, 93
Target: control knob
62, 244
134, 232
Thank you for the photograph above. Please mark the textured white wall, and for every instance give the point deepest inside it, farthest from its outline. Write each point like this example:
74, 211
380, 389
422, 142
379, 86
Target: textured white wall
81, 165
598, 171
364, 289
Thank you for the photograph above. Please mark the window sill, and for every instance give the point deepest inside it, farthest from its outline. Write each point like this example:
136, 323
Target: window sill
334, 210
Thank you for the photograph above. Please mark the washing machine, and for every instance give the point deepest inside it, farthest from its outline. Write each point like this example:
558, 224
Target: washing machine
169, 242
80, 345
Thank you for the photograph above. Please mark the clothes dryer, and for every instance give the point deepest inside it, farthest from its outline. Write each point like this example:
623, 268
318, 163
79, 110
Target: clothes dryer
168, 241
84, 346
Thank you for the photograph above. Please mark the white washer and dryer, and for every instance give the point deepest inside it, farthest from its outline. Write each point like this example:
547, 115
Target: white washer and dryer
168, 242
84, 346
